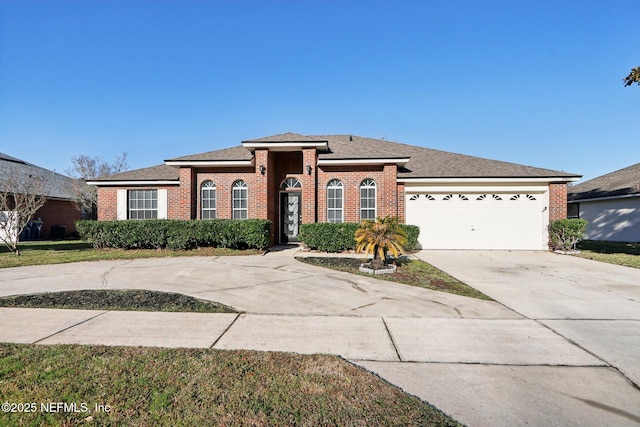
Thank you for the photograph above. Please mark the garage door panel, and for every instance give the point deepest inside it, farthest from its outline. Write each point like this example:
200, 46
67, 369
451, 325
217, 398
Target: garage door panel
477, 221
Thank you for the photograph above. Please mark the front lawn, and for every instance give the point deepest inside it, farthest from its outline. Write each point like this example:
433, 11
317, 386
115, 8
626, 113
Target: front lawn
65, 385
64, 251
621, 253
410, 272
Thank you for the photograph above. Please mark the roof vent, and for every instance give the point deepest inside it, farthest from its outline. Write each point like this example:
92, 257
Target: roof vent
350, 138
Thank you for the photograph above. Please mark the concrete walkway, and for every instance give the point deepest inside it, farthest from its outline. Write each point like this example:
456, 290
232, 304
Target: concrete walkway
480, 361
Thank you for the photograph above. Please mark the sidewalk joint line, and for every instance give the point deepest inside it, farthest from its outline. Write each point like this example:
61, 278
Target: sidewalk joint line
72, 326
393, 343
225, 331
609, 364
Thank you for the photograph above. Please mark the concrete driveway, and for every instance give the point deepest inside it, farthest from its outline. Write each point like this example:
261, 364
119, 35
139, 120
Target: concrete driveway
594, 306
480, 361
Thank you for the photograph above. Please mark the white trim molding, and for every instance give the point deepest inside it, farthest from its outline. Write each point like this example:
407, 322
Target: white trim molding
223, 163
287, 146
481, 180
382, 161
597, 199
132, 183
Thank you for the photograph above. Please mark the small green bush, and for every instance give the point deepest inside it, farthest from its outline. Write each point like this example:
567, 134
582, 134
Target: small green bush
328, 237
566, 233
340, 237
412, 231
176, 234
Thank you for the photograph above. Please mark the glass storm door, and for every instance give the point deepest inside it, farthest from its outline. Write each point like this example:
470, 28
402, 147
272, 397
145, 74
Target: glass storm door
290, 216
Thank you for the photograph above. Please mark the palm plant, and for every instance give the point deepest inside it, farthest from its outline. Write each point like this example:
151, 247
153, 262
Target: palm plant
379, 238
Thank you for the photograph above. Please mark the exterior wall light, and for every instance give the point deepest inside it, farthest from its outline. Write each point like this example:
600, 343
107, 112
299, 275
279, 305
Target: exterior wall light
263, 169
309, 169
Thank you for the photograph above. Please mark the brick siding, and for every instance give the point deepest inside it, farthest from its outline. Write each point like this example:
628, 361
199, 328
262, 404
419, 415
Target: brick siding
58, 213
557, 200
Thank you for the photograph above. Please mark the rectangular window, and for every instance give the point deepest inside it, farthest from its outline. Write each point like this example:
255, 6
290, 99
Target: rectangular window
334, 204
143, 204
240, 201
368, 203
208, 200
573, 210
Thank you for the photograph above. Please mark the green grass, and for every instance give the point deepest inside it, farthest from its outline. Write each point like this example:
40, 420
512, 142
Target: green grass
59, 252
410, 272
187, 387
119, 300
621, 253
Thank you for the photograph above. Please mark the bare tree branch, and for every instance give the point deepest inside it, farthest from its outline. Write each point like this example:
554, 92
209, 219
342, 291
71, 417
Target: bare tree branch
85, 168
20, 199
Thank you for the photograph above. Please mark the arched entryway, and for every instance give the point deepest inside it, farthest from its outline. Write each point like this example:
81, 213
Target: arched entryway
290, 209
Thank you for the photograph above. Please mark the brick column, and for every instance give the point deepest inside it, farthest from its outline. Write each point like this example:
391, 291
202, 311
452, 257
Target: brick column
260, 192
186, 195
557, 200
401, 202
389, 196
309, 192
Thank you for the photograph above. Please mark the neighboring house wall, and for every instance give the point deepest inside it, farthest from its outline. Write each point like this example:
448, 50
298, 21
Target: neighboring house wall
58, 213
616, 220
7, 232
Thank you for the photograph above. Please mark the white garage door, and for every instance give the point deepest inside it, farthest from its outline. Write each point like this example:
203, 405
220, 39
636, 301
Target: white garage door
478, 221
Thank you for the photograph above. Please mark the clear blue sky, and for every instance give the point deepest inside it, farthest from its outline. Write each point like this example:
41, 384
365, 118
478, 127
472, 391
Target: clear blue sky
532, 82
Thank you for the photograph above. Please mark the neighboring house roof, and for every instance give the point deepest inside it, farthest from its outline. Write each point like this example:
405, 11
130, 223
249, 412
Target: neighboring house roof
422, 162
56, 186
621, 183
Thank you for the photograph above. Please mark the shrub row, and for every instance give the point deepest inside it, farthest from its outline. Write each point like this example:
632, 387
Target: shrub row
339, 237
176, 234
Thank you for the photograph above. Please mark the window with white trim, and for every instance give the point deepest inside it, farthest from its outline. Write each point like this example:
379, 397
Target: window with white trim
240, 198
208, 200
368, 199
143, 204
335, 201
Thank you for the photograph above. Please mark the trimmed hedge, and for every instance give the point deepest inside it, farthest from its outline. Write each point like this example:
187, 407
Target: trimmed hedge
339, 237
328, 237
176, 234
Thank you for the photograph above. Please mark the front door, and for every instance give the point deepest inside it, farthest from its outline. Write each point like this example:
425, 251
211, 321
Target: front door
290, 216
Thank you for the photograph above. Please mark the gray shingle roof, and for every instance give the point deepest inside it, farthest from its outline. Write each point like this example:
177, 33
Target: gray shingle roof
430, 163
423, 163
233, 153
154, 173
623, 182
56, 186
289, 137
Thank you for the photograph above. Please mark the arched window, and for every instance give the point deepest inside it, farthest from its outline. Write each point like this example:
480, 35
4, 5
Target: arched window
368, 199
240, 199
334, 201
208, 200
290, 184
